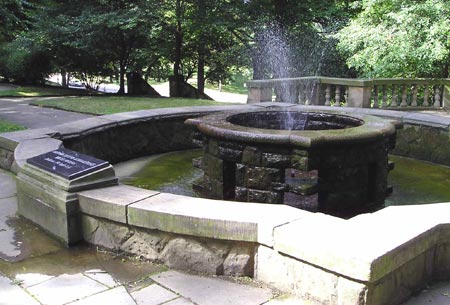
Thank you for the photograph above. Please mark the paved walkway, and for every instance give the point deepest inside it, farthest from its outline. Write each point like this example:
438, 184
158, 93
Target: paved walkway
18, 110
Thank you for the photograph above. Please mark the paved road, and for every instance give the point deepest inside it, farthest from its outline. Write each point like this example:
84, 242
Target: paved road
18, 110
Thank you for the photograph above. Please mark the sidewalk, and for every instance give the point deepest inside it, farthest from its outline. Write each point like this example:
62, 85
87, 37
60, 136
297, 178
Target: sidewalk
18, 110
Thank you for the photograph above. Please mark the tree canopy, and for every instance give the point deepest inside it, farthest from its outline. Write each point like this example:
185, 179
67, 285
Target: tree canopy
399, 38
211, 39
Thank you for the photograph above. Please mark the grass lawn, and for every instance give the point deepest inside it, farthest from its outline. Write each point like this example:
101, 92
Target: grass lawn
7, 127
40, 91
116, 104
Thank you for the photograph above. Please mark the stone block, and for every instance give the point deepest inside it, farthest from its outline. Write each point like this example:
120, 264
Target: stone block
51, 201
191, 216
210, 218
89, 125
239, 261
213, 167
240, 194
31, 148
6, 158
10, 140
213, 147
304, 163
350, 292
251, 156
296, 277
398, 286
265, 196
261, 178
275, 160
189, 254
64, 226
111, 202
240, 174
229, 154
104, 233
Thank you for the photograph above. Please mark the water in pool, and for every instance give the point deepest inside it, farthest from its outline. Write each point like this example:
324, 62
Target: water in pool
414, 181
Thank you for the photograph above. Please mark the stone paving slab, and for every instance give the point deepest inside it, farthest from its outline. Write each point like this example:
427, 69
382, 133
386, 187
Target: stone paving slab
30, 279
288, 300
116, 296
65, 288
153, 295
211, 291
11, 294
180, 301
101, 276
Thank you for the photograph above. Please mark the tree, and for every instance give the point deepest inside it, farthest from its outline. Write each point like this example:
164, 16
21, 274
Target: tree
12, 18
399, 38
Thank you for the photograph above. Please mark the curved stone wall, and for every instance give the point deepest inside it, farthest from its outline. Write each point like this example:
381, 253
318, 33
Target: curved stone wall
371, 259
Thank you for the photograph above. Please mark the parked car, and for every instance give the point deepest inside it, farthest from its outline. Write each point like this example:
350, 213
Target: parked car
76, 83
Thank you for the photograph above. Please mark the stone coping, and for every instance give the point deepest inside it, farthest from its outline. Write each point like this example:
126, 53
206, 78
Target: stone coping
365, 248
219, 126
361, 82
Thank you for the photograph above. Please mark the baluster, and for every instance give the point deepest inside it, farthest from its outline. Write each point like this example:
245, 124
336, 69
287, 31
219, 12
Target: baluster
426, 93
384, 98
375, 96
404, 94
394, 96
414, 96
345, 96
327, 95
437, 96
337, 96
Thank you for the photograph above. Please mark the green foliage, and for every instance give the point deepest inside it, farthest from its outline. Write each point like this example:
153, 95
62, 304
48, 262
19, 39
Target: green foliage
117, 104
8, 127
24, 61
41, 91
12, 18
399, 38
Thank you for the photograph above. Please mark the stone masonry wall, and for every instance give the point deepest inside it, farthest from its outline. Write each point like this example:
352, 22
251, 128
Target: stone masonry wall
120, 143
176, 251
426, 143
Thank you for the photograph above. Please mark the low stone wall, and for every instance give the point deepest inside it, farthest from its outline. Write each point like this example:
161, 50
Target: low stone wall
372, 259
423, 142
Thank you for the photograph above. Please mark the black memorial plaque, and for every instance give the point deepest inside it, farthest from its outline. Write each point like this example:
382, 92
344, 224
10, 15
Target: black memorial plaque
67, 163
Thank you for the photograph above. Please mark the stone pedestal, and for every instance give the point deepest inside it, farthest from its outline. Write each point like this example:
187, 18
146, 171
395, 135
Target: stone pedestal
51, 201
259, 95
359, 97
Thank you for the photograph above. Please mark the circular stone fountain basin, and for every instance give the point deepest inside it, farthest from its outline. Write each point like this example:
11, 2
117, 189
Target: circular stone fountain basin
295, 128
251, 156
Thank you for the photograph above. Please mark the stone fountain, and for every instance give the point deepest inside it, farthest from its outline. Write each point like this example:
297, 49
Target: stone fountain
254, 156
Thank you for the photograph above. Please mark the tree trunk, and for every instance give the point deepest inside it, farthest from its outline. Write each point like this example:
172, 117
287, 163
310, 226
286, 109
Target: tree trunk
201, 15
64, 82
121, 79
178, 46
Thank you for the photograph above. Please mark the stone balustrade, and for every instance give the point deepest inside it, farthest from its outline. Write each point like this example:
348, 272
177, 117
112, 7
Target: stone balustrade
362, 93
